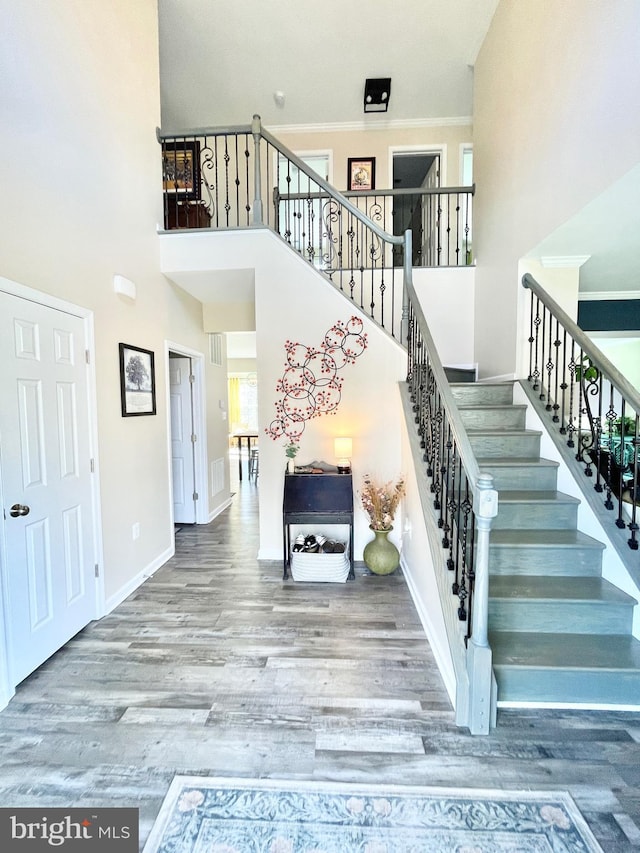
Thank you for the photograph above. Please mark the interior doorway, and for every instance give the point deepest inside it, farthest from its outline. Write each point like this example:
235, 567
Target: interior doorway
183, 437
187, 435
414, 170
242, 379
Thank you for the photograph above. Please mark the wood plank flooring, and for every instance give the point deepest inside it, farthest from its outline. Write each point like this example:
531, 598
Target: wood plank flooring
216, 667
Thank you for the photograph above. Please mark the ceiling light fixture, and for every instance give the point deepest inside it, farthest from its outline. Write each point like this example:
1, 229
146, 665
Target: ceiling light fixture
377, 91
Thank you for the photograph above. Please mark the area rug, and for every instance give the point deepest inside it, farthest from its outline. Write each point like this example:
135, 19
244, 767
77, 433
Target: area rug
224, 815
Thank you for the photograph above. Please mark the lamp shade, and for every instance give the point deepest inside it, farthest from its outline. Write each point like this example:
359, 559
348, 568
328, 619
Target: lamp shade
342, 448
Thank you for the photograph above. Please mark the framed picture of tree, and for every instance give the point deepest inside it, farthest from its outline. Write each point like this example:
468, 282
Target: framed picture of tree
137, 381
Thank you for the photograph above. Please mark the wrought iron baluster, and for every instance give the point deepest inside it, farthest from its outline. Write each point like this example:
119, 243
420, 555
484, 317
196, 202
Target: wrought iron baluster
443, 521
236, 181
217, 182
564, 386
454, 562
247, 158
463, 590
458, 229
542, 342
634, 484
471, 572
467, 220
536, 326
227, 158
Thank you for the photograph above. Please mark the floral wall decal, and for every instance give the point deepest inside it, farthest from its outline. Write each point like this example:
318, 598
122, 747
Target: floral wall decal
310, 385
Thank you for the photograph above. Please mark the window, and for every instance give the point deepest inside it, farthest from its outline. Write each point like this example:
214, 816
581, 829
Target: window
300, 217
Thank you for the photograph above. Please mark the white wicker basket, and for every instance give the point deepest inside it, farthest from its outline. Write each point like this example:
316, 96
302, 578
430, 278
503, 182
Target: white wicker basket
319, 568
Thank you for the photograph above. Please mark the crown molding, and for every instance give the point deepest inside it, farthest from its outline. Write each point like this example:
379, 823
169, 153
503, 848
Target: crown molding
376, 124
599, 295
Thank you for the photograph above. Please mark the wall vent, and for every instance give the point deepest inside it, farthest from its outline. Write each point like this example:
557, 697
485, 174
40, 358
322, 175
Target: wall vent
215, 349
217, 476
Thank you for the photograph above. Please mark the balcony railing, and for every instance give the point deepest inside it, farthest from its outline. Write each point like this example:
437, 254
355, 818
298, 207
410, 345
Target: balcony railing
590, 404
239, 177
439, 219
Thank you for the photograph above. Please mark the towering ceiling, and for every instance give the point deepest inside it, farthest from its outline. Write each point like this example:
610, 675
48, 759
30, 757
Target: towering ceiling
222, 60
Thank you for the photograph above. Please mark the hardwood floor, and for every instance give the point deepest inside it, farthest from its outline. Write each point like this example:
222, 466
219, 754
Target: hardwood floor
216, 667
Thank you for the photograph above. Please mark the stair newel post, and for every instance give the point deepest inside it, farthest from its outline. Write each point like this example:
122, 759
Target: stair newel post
256, 131
482, 686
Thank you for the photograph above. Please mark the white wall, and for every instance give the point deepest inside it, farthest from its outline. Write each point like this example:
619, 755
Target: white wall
80, 202
556, 121
419, 570
623, 351
294, 303
447, 297
378, 143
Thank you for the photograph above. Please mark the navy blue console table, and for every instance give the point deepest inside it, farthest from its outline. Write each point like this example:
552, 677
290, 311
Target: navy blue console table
317, 499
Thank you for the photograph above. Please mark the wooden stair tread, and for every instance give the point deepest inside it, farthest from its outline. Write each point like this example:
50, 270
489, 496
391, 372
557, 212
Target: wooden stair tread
515, 461
532, 496
499, 432
528, 538
482, 407
568, 589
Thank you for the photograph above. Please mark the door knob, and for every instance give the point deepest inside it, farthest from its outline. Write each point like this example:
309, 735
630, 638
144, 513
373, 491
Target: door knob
19, 509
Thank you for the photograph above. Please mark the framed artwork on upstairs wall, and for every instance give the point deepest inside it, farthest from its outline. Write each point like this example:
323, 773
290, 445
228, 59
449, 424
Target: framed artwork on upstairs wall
137, 381
181, 169
361, 173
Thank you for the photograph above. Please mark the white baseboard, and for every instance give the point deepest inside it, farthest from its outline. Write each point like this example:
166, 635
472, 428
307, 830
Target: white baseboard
448, 676
270, 554
220, 508
125, 591
505, 377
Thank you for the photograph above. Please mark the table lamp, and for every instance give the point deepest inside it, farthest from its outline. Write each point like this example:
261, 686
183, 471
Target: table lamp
343, 448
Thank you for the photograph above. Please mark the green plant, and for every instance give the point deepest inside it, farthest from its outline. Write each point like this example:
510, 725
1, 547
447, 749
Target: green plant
291, 449
586, 369
629, 426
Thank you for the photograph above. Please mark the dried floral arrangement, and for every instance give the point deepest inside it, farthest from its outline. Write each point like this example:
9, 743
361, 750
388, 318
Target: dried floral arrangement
380, 502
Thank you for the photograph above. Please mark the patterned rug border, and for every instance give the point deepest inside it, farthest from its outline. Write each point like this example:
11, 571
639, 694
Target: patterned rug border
355, 789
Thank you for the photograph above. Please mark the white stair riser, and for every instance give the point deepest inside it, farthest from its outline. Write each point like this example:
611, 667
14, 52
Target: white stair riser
588, 686
557, 562
468, 394
510, 417
514, 477
553, 515
558, 617
494, 445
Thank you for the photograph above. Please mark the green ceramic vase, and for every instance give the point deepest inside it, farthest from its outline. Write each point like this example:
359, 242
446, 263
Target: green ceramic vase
381, 556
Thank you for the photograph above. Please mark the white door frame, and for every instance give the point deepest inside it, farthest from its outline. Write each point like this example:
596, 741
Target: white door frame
431, 148
13, 288
200, 424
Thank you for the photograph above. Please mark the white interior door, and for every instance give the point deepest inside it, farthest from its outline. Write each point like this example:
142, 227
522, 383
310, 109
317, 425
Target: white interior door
182, 436
45, 473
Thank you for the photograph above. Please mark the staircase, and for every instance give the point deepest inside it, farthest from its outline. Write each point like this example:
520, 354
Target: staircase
559, 632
